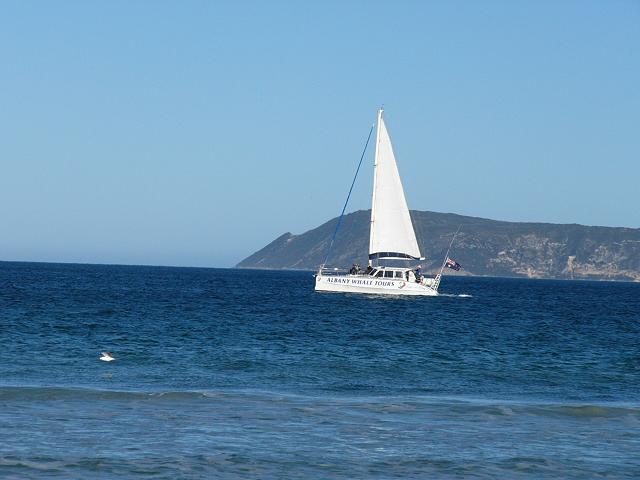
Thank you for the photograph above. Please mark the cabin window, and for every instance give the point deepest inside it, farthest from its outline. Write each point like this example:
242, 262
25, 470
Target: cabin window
388, 274
379, 274
399, 275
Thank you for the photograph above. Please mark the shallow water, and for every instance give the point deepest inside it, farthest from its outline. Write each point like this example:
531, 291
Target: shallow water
233, 373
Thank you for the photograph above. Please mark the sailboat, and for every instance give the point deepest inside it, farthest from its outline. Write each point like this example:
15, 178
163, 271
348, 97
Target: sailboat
391, 237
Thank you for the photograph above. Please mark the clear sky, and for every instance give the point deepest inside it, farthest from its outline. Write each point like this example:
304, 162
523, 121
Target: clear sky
195, 132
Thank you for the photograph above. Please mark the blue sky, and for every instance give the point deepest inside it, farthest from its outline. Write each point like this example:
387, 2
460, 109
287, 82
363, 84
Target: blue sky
193, 133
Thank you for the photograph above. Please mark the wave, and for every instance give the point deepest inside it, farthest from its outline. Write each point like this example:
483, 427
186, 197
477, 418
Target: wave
380, 404
67, 393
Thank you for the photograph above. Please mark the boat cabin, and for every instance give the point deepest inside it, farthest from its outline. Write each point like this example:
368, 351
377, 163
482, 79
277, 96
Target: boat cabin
391, 273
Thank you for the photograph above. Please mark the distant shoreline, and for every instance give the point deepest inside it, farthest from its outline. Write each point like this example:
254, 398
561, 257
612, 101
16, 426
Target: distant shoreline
469, 275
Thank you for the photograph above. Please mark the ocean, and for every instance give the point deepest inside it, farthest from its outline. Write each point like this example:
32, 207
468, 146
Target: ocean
224, 373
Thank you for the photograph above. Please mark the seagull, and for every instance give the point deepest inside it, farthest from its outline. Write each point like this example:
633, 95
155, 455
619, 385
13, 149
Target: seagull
106, 357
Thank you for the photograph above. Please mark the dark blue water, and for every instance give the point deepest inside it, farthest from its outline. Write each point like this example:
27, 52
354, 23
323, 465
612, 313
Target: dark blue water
236, 374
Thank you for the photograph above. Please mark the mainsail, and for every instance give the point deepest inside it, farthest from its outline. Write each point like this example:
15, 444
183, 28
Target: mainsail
392, 234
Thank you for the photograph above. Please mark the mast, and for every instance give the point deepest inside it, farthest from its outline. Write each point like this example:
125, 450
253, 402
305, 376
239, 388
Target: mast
375, 177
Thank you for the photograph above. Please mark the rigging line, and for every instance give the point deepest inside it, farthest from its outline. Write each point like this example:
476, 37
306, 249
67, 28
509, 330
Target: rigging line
450, 245
446, 257
347, 201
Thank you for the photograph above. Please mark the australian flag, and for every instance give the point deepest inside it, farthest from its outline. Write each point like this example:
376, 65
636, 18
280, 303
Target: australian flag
453, 264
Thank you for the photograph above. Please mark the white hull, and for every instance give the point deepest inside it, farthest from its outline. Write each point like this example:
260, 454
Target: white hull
371, 285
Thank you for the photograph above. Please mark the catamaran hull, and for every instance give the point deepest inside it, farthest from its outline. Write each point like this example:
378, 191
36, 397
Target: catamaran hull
375, 286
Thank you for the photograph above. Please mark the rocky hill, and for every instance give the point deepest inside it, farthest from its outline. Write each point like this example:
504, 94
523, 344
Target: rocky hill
483, 247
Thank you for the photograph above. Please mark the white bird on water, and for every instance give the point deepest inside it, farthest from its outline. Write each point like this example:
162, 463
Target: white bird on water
106, 357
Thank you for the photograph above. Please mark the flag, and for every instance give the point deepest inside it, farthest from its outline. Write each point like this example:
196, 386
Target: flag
453, 264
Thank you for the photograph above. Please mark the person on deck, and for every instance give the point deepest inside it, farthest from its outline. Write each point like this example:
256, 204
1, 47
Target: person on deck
418, 273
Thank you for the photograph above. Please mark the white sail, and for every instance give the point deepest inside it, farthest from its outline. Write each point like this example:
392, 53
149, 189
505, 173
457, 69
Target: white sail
392, 234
